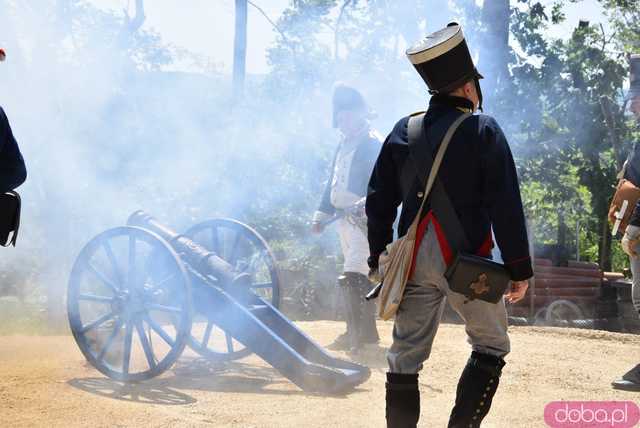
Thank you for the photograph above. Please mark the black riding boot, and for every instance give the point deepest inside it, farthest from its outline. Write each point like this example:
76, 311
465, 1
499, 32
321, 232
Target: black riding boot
403, 400
630, 380
346, 340
366, 310
476, 388
361, 323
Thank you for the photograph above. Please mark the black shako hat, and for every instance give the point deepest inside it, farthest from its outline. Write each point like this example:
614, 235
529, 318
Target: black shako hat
346, 98
634, 77
443, 60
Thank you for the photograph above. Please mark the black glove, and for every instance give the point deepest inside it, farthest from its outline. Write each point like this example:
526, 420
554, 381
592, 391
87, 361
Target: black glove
372, 261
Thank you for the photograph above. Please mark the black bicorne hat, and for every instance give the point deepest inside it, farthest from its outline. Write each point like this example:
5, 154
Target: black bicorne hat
443, 60
634, 77
346, 98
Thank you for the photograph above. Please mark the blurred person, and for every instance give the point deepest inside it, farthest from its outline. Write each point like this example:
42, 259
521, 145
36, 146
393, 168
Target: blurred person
479, 176
630, 381
12, 168
343, 202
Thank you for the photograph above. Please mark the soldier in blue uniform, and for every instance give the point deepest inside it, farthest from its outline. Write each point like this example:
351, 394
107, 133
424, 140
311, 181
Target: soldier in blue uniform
12, 169
344, 197
479, 176
630, 381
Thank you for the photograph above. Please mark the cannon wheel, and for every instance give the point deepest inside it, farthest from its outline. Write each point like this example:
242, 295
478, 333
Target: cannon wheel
243, 248
129, 304
562, 310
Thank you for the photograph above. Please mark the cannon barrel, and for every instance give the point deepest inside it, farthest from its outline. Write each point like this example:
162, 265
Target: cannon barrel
205, 262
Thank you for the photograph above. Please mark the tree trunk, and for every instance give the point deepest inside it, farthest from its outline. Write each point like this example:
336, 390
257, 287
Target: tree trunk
605, 245
494, 56
240, 50
562, 231
610, 114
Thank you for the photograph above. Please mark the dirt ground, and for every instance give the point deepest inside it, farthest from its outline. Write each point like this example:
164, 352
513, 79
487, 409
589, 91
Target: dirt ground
44, 381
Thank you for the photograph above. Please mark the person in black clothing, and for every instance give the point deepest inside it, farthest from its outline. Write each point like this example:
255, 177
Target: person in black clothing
479, 175
630, 381
12, 168
343, 199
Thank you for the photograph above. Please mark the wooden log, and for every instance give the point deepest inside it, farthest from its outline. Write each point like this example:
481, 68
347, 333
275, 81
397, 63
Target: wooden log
613, 276
540, 301
589, 279
567, 292
567, 283
554, 270
584, 265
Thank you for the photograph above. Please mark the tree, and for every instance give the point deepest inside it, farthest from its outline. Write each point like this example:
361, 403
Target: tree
240, 49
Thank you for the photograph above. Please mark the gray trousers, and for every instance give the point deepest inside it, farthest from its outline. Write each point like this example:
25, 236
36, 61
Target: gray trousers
635, 288
419, 314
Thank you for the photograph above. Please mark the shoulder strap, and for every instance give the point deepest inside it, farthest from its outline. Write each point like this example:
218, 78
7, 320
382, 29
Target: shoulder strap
623, 171
440, 202
415, 131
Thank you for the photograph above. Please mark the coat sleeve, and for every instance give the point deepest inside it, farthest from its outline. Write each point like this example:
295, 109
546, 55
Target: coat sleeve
383, 198
634, 220
12, 168
631, 173
504, 204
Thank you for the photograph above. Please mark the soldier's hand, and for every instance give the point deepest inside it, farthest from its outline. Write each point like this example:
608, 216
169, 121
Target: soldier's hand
317, 227
517, 290
630, 241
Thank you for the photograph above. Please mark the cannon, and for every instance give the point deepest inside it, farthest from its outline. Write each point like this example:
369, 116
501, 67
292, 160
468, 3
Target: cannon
139, 294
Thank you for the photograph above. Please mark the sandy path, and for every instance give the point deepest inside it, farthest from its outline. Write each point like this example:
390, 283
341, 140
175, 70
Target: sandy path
45, 382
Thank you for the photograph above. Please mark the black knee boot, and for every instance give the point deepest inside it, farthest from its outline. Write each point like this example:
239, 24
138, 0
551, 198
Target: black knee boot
346, 340
476, 388
403, 400
630, 380
363, 311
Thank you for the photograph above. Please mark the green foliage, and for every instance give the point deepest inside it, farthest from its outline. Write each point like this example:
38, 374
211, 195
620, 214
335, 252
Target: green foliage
570, 148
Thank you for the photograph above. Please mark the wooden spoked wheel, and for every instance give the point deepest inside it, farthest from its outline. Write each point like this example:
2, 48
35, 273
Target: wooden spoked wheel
129, 304
245, 250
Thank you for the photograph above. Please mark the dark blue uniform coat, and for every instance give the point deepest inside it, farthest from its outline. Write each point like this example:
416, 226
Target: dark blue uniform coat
477, 172
12, 169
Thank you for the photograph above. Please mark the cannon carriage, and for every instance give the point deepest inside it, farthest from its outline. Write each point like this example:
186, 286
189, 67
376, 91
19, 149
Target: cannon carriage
139, 294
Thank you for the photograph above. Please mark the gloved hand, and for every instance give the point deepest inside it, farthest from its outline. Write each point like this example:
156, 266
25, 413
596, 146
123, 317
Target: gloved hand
631, 240
374, 276
317, 227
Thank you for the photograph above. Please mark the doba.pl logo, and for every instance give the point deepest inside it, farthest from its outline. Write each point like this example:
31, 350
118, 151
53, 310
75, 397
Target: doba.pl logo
592, 414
